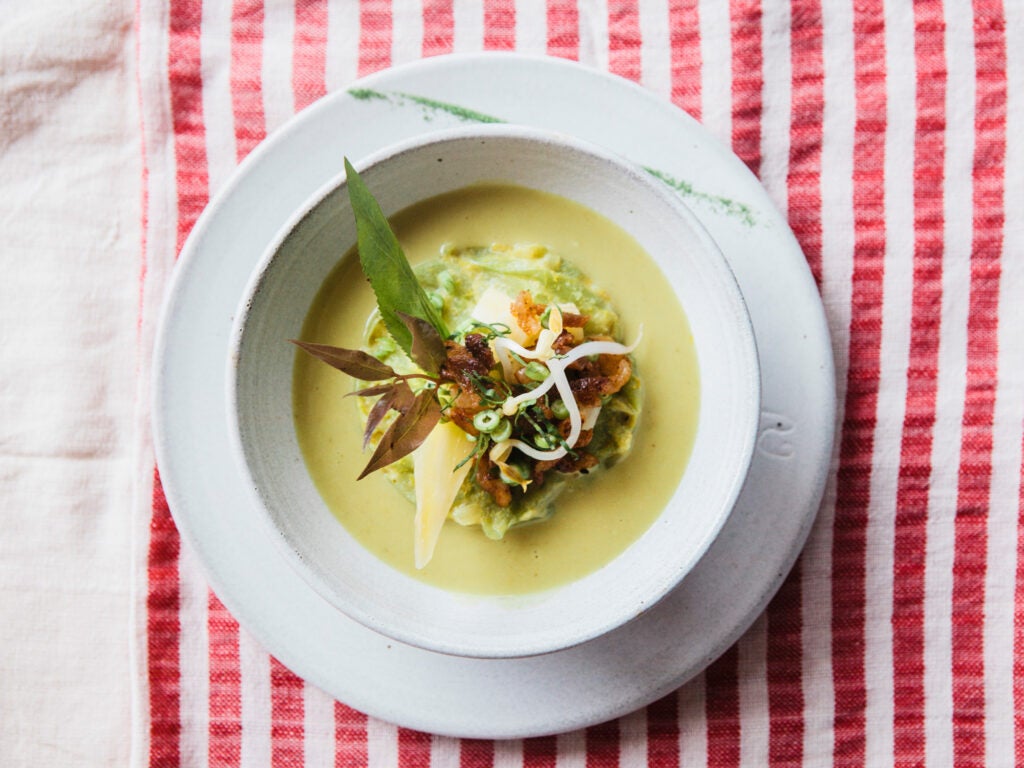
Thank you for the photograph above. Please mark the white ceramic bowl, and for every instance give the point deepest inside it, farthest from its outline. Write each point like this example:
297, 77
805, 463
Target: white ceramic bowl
260, 379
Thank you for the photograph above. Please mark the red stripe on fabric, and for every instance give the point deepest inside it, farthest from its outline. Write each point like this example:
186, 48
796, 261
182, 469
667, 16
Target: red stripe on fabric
784, 627
413, 748
563, 29
187, 113
309, 54
374, 35
722, 709
163, 634
849, 543
663, 732
784, 659
747, 81
287, 711
624, 40
540, 752
246, 82
499, 25
602, 745
163, 623
970, 557
1018, 625
806, 129
225, 675
684, 39
476, 753
350, 750
225, 747
438, 27
911, 523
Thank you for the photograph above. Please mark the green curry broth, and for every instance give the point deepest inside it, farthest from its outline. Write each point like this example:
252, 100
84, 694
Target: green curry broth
597, 516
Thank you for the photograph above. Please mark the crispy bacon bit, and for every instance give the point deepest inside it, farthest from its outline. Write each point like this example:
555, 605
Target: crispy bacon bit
617, 368
568, 465
571, 320
564, 342
495, 486
564, 426
581, 462
478, 347
587, 390
527, 314
594, 380
462, 410
465, 361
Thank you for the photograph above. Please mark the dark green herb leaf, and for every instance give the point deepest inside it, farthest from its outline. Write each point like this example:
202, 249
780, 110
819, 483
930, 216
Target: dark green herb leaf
427, 349
386, 266
406, 433
479, 448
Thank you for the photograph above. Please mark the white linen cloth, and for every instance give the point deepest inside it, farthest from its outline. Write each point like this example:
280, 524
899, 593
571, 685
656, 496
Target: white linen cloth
70, 171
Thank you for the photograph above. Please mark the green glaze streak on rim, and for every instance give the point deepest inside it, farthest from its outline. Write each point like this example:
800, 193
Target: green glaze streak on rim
732, 208
431, 105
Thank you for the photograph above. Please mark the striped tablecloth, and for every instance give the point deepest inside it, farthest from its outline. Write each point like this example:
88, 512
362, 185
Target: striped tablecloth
891, 134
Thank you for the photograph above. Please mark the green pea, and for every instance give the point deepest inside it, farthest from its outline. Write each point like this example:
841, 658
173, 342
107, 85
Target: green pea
544, 442
560, 409
536, 371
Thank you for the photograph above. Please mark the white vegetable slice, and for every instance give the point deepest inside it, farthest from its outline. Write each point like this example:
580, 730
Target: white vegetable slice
436, 484
494, 307
590, 414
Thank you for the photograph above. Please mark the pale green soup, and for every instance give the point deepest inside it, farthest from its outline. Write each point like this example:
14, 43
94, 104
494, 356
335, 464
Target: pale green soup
598, 516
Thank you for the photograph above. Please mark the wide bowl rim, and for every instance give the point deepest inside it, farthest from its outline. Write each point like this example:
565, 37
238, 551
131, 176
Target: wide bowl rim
572, 635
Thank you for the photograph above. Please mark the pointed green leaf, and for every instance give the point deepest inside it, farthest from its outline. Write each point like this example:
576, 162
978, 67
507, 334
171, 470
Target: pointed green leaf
386, 267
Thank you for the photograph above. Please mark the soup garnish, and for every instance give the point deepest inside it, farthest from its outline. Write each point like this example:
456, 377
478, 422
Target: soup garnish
486, 423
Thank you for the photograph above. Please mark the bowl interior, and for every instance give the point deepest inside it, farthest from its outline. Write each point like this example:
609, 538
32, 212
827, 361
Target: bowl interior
281, 292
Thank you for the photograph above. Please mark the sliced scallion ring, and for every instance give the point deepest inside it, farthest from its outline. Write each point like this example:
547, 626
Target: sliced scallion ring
487, 421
